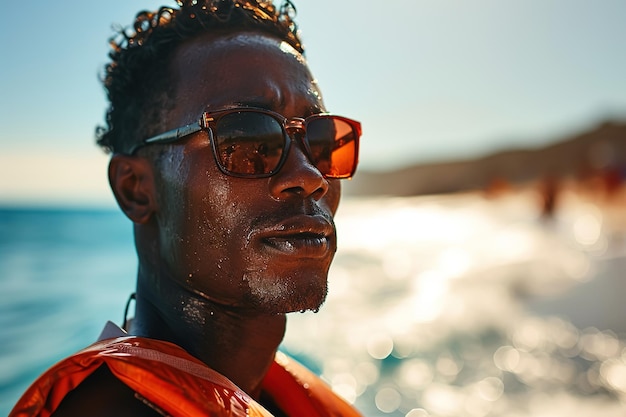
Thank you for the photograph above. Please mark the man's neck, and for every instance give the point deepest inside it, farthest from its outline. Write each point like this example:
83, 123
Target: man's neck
239, 345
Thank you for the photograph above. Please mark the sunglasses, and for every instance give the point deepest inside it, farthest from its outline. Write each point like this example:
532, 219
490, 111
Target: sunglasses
249, 142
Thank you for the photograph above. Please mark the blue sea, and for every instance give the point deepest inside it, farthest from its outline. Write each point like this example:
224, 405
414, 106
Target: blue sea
63, 273
456, 305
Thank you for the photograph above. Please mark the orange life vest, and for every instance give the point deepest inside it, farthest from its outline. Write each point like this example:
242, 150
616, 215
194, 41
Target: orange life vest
181, 385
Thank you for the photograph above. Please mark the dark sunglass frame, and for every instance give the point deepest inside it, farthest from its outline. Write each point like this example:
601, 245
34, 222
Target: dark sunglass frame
208, 121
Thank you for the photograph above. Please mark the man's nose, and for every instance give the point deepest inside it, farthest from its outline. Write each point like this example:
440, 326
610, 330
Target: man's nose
298, 177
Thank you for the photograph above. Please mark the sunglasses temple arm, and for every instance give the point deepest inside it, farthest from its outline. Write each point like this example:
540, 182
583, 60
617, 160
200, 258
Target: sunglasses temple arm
175, 134
169, 136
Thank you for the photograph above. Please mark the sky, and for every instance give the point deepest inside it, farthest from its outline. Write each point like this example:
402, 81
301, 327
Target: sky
429, 80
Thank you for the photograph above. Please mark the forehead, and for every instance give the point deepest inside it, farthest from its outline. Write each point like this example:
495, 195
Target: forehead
241, 69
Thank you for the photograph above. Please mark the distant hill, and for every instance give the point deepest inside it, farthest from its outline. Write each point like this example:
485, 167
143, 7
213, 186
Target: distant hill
603, 148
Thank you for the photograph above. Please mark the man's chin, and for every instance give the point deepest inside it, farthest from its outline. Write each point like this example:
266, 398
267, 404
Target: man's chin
294, 306
284, 299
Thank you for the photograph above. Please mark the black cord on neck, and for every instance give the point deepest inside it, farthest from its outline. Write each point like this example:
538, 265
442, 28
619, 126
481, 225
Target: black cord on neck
126, 321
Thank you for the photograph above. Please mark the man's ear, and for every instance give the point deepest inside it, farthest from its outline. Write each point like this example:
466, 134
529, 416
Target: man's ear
132, 181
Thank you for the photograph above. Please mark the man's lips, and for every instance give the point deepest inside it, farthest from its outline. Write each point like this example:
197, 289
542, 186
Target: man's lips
301, 236
309, 246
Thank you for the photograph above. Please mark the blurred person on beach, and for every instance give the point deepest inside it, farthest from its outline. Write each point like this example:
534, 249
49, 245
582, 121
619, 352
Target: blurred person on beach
229, 167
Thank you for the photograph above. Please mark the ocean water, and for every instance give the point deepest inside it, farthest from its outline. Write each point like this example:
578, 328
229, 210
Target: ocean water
453, 305
63, 273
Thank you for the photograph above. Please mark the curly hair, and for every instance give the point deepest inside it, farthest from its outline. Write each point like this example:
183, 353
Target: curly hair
137, 80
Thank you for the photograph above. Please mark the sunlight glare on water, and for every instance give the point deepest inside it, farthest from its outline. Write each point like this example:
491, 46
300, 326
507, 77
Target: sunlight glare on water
429, 295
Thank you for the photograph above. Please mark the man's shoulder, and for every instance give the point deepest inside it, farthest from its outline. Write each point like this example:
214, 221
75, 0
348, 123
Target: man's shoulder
132, 376
94, 381
102, 394
297, 391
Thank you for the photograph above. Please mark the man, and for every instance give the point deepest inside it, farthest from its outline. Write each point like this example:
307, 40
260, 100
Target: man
229, 168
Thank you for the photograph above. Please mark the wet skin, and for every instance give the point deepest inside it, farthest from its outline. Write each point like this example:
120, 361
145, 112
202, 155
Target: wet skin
222, 259
260, 244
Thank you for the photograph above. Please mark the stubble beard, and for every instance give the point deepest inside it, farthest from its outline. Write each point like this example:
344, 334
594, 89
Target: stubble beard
283, 295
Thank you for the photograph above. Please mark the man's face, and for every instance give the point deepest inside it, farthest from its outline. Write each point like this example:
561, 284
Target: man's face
261, 244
